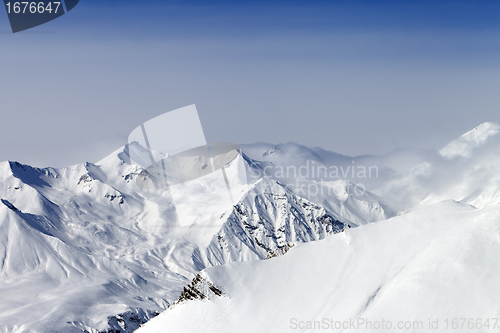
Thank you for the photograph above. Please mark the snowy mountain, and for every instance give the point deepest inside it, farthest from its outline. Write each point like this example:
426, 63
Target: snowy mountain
467, 144
100, 248
432, 266
337, 182
466, 170
370, 170
85, 249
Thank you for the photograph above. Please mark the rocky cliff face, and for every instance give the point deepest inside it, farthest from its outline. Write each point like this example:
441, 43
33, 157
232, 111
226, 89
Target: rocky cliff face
267, 220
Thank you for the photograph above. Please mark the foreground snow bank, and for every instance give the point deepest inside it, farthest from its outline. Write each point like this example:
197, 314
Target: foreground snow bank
408, 273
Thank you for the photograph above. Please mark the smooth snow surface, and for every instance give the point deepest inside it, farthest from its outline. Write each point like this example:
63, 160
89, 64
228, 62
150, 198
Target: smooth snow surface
437, 262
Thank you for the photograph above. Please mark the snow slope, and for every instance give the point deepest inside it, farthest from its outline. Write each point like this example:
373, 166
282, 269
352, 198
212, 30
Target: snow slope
466, 144
84, 248
437, 262
82, 244
466, 170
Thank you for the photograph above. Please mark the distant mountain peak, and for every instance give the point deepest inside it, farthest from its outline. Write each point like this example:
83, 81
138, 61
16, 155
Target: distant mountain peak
466, 143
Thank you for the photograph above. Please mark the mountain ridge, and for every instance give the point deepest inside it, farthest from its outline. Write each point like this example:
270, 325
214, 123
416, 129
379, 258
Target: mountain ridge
88, 232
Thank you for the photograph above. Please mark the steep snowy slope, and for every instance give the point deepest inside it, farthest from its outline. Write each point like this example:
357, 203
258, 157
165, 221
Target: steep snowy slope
71, 252
269, 219
84, 243
467, 144
466, 170
432, 266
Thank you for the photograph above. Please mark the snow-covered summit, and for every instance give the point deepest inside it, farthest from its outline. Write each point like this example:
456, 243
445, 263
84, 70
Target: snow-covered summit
466, 170
465, 145
89, 233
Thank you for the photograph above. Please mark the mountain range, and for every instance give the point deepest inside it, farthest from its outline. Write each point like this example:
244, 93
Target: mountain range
85, 249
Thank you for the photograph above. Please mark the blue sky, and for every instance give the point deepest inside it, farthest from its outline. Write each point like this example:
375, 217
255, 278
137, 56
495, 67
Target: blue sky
356, 77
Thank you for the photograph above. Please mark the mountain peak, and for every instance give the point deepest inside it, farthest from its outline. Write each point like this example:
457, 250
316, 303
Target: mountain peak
466, 143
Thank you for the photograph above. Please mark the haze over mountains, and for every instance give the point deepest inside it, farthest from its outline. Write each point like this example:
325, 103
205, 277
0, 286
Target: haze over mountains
84, 248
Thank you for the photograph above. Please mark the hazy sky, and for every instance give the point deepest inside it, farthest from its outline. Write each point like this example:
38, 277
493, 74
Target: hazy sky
355, 77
